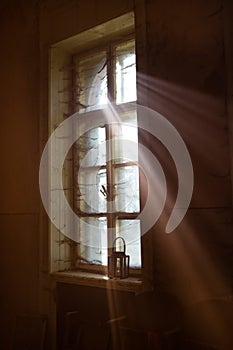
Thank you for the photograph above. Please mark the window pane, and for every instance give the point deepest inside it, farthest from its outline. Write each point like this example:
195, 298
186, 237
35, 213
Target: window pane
127, 189
125, 72
87, 148
93, 239
91, 82
130, 231
126, 130
92, 194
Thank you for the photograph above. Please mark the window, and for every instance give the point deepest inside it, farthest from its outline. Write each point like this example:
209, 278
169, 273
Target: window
100, 180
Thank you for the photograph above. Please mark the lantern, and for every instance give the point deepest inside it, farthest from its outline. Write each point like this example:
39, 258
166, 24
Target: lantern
118, 262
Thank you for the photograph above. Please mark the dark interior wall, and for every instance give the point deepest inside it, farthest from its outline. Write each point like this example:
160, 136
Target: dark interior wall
185, 82
186, 68
19, 147
62, 19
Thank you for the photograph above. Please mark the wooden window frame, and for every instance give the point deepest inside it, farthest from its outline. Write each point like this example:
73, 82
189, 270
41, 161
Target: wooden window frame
115, 31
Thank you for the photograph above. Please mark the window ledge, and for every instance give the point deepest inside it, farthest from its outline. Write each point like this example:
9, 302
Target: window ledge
130, 284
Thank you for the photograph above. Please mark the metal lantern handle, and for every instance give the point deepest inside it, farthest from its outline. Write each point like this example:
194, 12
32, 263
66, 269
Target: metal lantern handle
114, 244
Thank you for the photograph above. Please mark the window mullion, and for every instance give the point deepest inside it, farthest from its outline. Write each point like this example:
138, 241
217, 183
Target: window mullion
111, 219
72, 109
110, 73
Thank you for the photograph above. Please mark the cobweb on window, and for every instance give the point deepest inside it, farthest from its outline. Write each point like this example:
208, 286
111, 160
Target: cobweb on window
91, 82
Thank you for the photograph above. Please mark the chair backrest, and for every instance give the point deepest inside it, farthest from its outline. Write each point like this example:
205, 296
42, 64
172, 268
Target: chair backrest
29, 332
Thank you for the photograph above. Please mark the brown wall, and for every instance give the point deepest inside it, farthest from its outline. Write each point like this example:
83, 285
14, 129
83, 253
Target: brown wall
19, 147
185, 82
186, 68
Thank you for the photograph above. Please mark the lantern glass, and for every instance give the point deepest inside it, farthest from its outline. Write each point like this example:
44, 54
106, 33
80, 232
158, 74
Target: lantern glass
118, 262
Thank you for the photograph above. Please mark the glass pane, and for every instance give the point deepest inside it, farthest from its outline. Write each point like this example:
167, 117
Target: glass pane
91, 82
125, 146
127, 189
130, 231
93, 240
127, 150
125, 72
92, 186
90, 148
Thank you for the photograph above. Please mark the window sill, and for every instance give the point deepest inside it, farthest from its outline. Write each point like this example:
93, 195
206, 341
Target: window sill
130, 284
